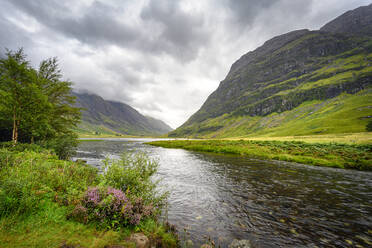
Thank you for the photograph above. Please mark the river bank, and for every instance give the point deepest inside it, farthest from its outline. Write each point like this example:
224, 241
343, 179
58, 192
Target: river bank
48, 202
346, 156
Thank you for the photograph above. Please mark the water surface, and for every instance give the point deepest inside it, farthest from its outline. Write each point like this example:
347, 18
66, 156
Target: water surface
273, 204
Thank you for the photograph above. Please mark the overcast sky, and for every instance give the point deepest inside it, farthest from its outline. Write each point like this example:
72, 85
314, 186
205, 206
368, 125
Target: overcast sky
162, 57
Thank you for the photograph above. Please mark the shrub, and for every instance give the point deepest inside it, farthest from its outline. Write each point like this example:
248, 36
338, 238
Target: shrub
32, 177
111, 208
21, 147
64, 145
369, 126
134, 172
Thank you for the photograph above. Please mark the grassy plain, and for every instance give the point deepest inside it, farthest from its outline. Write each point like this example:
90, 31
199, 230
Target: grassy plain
337, 155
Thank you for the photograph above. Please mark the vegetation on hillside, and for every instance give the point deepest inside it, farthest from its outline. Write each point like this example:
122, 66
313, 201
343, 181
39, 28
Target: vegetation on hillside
100, 116
347, 113
330, 155
36, 105
47, 202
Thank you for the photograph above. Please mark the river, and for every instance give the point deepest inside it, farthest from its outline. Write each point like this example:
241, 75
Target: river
270, 203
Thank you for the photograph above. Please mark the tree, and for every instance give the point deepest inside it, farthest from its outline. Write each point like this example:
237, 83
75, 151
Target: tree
63, 115
37, 105
16, 89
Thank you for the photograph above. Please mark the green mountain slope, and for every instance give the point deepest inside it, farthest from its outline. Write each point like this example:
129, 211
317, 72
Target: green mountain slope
267, 89
108, 117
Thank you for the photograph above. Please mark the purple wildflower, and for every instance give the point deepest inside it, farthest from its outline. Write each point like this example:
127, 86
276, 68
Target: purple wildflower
92, 196
135, 220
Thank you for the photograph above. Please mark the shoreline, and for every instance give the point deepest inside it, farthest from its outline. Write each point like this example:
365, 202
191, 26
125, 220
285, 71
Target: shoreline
336, 155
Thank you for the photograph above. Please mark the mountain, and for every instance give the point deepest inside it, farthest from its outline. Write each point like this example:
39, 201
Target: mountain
356, 22
111, 117
302, 78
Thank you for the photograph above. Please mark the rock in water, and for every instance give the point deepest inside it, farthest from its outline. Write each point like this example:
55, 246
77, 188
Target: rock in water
244, 243
140, 240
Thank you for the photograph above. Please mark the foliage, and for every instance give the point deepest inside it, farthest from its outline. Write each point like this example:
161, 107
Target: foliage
64, 145
134, 172
111, 208
331, 154
369, 126
31, 177
43, 199
36, 105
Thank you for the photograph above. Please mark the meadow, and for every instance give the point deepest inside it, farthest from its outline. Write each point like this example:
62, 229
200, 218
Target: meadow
338, 155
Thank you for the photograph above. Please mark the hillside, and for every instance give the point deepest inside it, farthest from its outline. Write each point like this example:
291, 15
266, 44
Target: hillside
109, 117
302, 82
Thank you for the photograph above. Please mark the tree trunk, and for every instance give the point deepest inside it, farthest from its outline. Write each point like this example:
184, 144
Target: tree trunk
15, 127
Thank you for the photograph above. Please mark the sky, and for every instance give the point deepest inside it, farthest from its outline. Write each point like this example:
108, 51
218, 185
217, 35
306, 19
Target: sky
162, 57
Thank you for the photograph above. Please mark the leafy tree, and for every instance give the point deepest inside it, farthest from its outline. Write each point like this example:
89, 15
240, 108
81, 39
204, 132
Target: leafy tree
17, 91
37, 105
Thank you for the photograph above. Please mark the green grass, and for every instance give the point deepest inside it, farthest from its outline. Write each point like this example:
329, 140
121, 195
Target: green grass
38, 194
49, 227
319, 154
346, 113
343, 138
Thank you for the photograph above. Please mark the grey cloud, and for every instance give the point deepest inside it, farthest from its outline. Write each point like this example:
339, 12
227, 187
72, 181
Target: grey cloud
245, 11
183, 33
12, 37
96, 24
99, 24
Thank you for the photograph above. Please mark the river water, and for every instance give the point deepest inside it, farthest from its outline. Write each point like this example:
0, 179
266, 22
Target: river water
270, 203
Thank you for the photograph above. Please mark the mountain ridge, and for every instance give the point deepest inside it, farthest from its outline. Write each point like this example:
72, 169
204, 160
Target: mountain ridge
290, 69
105, 116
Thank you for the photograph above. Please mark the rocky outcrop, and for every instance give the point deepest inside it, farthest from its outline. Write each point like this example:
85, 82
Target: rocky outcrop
356, 22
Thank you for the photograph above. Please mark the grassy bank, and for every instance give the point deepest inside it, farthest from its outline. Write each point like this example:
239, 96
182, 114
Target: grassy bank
345, 113
344, 138
319, 154
47, 202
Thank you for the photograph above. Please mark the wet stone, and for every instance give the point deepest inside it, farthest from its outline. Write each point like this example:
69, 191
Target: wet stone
140, 240
244, 243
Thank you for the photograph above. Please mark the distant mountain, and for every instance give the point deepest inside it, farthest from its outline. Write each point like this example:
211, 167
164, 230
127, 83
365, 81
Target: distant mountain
276, 84
111, 117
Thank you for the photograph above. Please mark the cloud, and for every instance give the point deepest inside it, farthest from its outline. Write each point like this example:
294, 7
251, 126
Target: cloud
180, 32
245, 11
163, 57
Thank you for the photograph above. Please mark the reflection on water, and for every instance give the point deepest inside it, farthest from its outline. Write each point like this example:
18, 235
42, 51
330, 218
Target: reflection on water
273, 204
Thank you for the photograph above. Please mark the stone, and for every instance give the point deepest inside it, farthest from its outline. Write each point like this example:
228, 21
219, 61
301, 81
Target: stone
244, 243
140, 240
206, 246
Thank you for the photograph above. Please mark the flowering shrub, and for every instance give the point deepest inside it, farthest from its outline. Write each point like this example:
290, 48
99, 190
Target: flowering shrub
135, 172
111, 208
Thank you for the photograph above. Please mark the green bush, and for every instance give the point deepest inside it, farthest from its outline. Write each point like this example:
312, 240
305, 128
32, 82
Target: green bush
64, 145
31, 177
111, 208
21, 147
133, 172
369, 126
